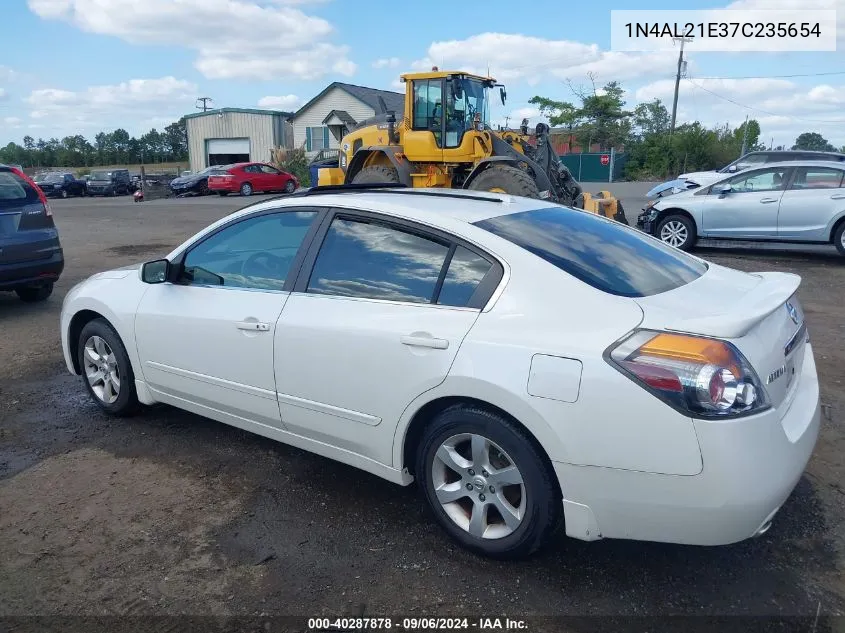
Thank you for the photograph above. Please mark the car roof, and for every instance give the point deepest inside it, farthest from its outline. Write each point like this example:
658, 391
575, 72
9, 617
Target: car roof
800, 163
429, 206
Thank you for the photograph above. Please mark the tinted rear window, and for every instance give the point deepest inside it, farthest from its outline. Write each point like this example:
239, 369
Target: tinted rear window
15, 191
604, 254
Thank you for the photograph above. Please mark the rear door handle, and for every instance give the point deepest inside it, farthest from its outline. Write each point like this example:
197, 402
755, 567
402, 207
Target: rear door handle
767, 200
253, 326
414, 340
838, 196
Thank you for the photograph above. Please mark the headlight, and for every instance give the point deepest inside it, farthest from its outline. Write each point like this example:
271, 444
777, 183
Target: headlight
700, 377
57, 186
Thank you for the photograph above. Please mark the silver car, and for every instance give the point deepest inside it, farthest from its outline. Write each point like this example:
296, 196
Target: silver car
781, 202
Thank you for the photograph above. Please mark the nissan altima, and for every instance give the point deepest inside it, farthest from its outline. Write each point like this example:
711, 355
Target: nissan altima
528, 365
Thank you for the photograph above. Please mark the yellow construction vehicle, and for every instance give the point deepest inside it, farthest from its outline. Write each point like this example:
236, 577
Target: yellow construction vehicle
444, 139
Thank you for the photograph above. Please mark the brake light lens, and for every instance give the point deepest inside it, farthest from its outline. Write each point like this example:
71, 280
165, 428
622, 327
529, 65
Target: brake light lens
701, 377
41, 195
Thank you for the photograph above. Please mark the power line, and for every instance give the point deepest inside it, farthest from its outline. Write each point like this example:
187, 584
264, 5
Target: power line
834, 72
747, 107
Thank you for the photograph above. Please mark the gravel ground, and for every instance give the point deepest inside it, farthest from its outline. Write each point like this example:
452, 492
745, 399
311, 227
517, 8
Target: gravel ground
169, 513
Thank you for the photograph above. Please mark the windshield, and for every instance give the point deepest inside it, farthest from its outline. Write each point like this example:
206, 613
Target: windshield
606, 255
100, 175
466, 109
49, 178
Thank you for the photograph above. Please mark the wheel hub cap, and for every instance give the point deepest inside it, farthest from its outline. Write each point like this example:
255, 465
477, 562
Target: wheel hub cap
674, 233
101, 369
479, 486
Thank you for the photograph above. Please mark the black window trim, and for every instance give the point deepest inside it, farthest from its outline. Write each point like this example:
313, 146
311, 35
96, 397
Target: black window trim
484, 291
178, 262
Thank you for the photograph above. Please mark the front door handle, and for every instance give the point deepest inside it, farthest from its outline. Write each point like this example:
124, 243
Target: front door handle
838, 196
253, 326
419, 340
767, 200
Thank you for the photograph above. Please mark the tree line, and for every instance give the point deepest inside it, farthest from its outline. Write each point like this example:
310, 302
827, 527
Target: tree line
107, 148
653, 152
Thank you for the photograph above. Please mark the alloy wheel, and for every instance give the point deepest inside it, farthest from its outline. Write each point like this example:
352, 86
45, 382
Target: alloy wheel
479, 486
101, 369
674, 233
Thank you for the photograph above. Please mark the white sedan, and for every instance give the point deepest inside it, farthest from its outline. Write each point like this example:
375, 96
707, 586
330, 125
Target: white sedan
524, 362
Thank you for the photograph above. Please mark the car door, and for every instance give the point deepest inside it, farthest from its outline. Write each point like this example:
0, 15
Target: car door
814, 196
376, 319
206, 340
252, 174
272, 178
750, 209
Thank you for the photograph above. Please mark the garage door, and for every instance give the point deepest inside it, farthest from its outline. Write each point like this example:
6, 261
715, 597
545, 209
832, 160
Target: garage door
225, 151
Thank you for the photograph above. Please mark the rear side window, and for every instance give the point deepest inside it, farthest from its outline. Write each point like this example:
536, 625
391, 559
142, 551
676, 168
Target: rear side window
817, 178
604, 254
375, 261
15, 191
466, 271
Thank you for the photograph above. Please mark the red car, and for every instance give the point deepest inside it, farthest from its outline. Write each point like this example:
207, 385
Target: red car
247, 178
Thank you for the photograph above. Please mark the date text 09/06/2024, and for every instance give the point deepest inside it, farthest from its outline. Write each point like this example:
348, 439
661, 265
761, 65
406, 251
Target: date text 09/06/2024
417, 624
723, 29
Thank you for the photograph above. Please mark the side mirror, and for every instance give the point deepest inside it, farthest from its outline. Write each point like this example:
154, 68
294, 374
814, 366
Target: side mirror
725, 189
503, 94
733, 168
155, 272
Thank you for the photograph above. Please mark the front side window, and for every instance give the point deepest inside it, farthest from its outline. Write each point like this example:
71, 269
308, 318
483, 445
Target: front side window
606, 255
370, 260
766, 180
817, 178
253, 253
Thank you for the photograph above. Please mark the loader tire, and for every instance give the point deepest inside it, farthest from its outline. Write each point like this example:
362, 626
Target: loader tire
375, 174
506, 179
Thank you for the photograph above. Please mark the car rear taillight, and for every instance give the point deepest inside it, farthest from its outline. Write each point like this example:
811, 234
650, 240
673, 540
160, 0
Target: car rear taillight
701, 377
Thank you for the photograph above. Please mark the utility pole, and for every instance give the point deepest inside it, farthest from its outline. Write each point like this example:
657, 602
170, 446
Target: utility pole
204, 106
678, 80
744, 150
507, 118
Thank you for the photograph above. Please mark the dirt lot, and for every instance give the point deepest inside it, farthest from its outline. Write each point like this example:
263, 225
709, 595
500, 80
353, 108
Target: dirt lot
170, 513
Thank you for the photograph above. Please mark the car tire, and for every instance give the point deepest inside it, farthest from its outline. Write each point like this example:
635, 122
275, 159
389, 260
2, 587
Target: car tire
839, 238
290, 187
535, 504
677, 230
222, 194
111, 362
64, 193
34, 294
246, 189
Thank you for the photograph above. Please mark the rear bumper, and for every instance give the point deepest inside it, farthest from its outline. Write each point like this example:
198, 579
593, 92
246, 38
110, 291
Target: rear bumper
32, 272
751, 466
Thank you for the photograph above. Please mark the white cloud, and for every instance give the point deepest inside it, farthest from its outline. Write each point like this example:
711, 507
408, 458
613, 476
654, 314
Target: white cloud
12, 120
515, 57
284, 102
233, 39
3, 94
387, 62
7, 74
129, 101
783, 108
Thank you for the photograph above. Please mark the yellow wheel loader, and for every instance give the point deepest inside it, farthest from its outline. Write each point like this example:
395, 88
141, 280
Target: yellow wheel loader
443, 139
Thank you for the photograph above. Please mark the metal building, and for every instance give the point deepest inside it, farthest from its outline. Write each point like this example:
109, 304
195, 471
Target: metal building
231, 135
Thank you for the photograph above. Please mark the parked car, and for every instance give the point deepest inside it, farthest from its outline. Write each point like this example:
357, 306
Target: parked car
196, 183
61, 184
521, 360
782, 202
693, 180
113, 182
31, 258
247, 178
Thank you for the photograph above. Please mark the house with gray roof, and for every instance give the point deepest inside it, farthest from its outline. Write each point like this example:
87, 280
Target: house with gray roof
324, 120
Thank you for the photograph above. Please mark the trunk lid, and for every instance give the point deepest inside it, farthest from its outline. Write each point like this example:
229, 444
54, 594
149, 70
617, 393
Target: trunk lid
757, 312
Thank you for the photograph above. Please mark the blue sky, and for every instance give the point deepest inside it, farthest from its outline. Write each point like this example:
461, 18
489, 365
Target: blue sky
81, 66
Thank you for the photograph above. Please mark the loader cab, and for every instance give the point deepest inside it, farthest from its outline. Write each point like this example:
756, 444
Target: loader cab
444, 108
